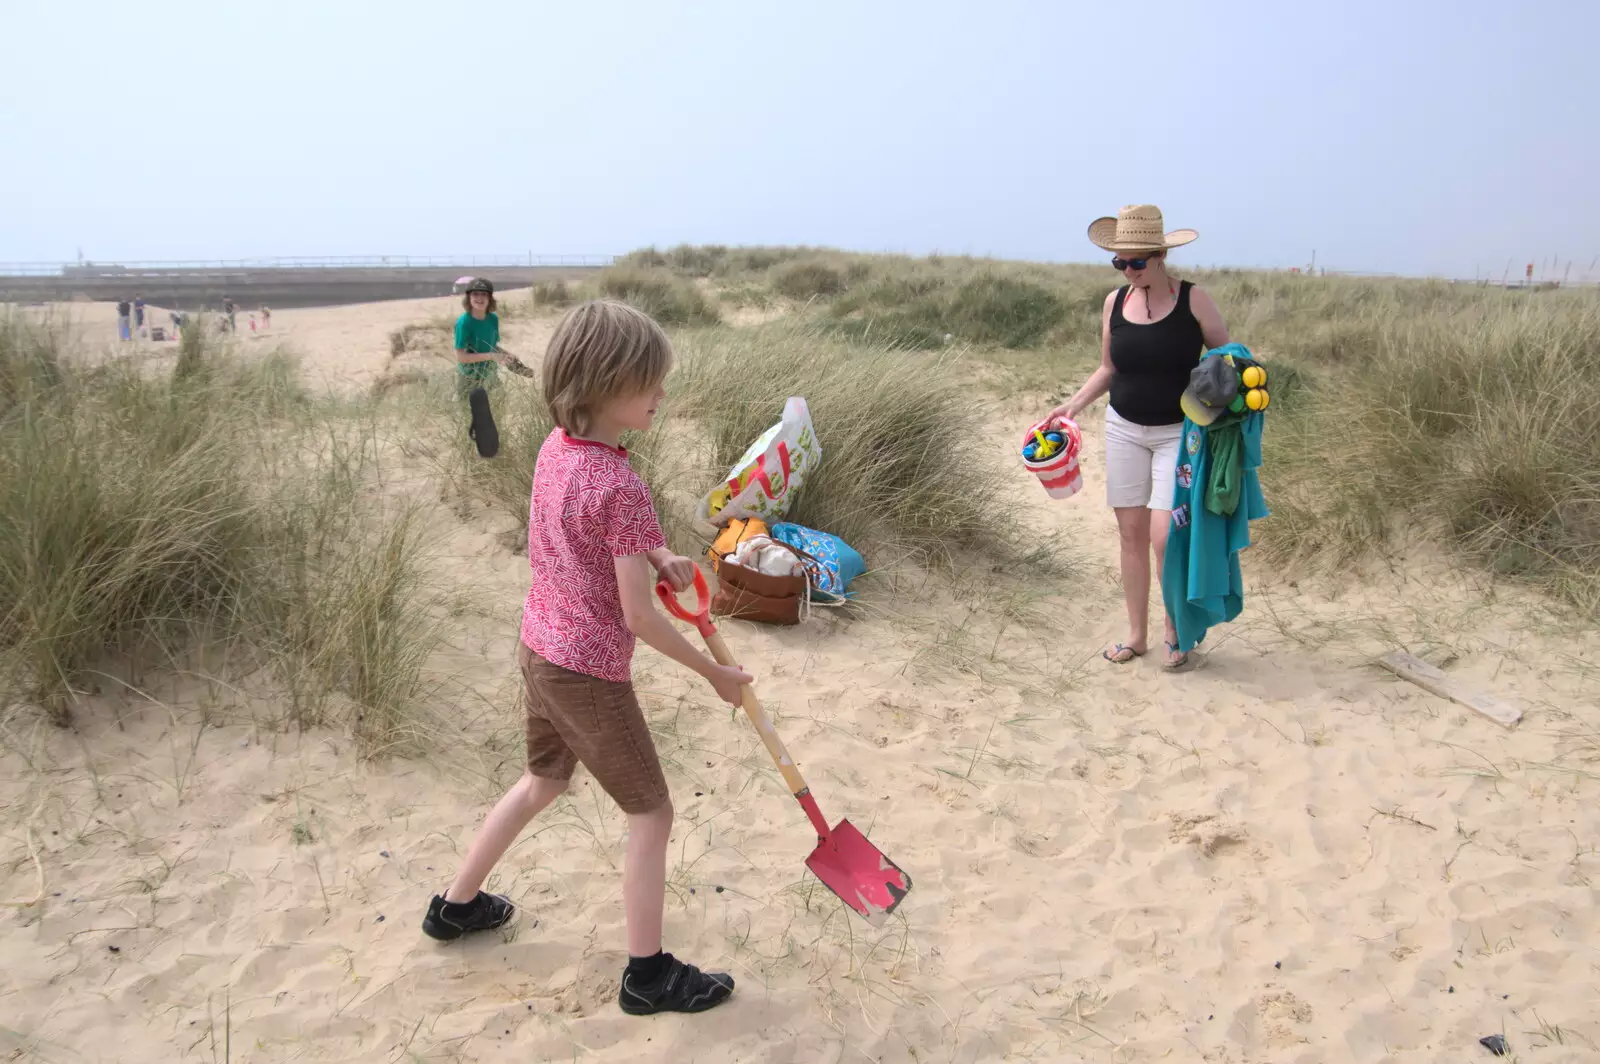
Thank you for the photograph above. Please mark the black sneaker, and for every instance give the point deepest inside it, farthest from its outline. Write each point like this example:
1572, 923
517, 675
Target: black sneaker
682, 988
483, 431
447, 920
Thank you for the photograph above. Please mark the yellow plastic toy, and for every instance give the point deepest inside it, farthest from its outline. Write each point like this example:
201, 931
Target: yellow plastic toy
1044, 448
1253, 377
1256, 398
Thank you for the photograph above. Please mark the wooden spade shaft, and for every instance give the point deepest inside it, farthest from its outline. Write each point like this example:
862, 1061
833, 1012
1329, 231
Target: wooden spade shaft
763, 724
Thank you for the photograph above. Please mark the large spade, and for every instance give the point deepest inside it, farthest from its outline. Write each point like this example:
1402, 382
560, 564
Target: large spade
848, 864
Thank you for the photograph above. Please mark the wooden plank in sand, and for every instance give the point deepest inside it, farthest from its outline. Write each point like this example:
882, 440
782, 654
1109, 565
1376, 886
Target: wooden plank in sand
1431, 679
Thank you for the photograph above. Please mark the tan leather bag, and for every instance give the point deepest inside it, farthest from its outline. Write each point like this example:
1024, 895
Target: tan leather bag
749, 595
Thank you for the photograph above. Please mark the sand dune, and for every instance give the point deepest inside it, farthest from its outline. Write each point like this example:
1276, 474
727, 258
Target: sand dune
1283, 854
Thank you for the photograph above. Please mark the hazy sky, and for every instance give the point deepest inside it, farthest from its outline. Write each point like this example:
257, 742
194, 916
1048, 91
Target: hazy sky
1403, 136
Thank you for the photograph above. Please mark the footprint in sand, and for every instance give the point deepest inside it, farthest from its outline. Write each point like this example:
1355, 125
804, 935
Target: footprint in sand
1207, 832
1280, 1013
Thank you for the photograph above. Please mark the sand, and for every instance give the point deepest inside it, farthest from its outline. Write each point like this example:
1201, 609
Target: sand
1281, 854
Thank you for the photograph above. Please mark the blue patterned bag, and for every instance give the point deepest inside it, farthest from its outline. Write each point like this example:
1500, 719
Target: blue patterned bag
832, 564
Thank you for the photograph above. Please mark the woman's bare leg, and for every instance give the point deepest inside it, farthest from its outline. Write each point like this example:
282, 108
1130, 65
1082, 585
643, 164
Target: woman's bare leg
1133, 530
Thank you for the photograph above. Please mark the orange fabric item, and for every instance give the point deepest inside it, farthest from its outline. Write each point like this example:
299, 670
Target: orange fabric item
728, 540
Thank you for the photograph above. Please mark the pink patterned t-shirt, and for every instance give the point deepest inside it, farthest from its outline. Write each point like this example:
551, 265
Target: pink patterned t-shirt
589, 508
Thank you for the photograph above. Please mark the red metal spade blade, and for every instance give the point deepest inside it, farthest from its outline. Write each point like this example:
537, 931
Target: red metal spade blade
859, 873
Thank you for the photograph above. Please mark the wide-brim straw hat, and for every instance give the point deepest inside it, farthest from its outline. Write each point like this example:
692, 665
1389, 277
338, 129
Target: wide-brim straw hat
1137, 228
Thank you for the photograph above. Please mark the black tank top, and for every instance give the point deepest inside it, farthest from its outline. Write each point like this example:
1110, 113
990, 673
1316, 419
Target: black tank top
1152, 362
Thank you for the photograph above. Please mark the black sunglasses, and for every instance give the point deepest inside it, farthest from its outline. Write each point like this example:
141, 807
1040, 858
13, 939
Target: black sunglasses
1120, 263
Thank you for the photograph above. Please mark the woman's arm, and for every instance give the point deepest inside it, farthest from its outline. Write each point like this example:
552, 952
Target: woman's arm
1205, 311
1099, 381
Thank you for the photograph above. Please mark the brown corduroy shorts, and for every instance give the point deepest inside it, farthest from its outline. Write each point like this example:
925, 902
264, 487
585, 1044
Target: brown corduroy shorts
573, 718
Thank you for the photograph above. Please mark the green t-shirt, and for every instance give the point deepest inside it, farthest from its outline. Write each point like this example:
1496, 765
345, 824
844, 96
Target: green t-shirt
475, 336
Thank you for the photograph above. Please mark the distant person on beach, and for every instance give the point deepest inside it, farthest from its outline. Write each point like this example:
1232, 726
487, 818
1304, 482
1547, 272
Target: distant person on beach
228, 312
478, 356
266, 317
1153, 331
138, 314
596, 551
124, 312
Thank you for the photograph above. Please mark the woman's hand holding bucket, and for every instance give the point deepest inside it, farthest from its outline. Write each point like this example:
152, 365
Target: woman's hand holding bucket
1050, 451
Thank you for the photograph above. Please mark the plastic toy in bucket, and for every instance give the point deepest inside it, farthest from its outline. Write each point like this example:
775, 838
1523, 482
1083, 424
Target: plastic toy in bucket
1050, 451
1043, 445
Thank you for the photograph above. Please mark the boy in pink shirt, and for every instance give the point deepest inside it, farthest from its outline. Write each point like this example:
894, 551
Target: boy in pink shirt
596, 550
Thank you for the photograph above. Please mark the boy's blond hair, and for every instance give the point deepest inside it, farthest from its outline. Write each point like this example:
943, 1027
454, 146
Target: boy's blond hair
601, 350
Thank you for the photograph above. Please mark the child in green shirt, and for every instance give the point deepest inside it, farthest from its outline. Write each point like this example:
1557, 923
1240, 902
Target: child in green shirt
478, 353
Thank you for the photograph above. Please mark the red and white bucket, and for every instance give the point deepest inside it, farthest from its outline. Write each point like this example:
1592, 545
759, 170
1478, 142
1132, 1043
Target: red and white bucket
1060, 473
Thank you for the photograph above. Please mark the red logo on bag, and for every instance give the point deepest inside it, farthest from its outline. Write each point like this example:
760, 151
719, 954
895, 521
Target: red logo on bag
760, 474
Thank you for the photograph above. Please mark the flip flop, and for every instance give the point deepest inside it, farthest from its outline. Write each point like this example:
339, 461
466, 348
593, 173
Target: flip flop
483, 431
1183, 659
1114, 654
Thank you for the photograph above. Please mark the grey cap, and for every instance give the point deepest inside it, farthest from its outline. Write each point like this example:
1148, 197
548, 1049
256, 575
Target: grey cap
1213, 384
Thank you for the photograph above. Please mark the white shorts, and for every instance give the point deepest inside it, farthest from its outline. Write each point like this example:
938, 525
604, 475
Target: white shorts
1141, 462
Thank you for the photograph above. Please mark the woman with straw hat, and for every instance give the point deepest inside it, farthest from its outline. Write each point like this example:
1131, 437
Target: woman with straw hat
1153, 331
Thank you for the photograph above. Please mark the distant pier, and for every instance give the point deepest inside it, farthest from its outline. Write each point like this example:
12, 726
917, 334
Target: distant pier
278, 283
